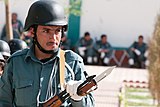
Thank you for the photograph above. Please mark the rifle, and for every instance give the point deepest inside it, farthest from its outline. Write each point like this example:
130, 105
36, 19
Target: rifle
83, 89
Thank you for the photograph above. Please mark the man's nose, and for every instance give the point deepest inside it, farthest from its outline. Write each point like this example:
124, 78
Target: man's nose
52, 36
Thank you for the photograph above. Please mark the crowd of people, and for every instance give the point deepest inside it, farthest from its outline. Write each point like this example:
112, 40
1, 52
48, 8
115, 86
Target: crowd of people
100, 52
93, 52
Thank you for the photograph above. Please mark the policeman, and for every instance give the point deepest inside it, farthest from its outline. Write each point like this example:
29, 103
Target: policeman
16, 44
2, 64
137, 53
17, 28
32, 76
4, 49
85, 48
103, 49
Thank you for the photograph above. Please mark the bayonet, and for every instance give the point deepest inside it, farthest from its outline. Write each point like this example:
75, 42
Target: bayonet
104, 74
86, 87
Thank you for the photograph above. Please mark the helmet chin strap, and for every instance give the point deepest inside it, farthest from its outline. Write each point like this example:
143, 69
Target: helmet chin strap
42, 49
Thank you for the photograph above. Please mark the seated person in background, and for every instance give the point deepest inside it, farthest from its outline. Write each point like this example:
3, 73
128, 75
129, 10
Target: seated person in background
17, 28
138, 53
85, 48
65, 44
103, 51
17, 44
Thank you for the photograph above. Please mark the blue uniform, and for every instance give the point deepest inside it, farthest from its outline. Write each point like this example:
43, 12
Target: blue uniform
88, 52
88, 44
102, 46
141, 58
99, 45
25, 81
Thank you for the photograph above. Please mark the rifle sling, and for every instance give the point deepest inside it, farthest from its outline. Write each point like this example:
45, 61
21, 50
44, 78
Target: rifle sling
62, 69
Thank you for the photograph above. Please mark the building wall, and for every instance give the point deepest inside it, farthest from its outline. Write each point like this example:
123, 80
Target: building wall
122, 20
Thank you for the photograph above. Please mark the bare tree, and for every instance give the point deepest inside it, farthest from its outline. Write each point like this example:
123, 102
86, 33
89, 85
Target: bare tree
154, 59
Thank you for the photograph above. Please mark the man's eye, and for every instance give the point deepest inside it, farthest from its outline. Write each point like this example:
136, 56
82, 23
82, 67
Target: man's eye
45, 31
58, 30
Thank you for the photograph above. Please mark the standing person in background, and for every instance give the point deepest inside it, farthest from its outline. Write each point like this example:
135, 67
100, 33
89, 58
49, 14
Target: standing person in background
85, 48
17, 24
17, 28
137, 53
103, 50
32, 76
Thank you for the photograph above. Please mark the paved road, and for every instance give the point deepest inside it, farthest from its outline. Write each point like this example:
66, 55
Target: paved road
107, 93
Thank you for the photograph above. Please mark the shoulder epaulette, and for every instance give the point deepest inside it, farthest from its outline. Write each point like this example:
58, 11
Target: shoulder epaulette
70, 56
19, 53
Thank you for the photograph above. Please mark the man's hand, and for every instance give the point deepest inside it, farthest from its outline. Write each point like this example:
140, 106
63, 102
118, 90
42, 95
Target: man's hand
72, 89
137, 52
81, 50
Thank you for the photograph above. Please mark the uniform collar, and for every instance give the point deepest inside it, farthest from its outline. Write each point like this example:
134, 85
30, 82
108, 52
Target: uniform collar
31, 55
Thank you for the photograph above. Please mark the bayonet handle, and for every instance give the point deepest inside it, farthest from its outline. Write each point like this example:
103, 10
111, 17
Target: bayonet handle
86, 87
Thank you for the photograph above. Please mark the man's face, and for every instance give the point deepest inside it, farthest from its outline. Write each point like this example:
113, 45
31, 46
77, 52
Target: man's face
140, 40
14, 17
104, 40
49, 37
87, 38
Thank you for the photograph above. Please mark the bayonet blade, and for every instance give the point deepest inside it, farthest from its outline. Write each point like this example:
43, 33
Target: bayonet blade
104, 74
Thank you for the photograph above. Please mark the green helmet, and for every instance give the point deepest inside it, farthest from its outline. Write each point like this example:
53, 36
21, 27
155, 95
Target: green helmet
17, 44
45, 12
4, 48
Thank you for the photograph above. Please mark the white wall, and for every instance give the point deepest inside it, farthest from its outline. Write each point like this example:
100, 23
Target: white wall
122, 20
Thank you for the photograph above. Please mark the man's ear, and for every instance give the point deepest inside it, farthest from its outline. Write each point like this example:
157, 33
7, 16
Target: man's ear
31, 31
